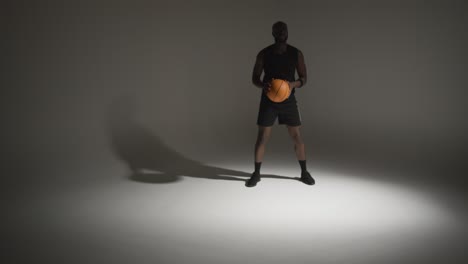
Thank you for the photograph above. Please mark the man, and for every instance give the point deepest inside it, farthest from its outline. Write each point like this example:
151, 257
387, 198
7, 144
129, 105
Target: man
279, 61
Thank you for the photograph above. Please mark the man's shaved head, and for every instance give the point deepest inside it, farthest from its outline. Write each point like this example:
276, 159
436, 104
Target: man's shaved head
279, 26
280, 31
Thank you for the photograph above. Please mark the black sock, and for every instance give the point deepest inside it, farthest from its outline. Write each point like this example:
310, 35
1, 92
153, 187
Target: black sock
303, 165
257, 166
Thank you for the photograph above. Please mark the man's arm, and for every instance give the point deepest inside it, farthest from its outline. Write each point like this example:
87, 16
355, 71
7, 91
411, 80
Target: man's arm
301, 71
257, 71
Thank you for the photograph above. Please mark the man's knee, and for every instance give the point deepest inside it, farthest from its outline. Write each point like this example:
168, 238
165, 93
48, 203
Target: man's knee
261, 141
263, 136
297, 139
296, 136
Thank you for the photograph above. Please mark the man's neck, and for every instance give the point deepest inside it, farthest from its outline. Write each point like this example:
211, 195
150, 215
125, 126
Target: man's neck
280, 47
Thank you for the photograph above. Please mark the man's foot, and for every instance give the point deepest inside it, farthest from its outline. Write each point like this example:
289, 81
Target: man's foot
306, 178
253, 179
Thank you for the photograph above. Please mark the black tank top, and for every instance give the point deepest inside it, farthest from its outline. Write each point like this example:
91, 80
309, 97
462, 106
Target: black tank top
280, 66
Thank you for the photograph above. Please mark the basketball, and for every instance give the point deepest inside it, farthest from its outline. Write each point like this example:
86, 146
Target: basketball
279, 90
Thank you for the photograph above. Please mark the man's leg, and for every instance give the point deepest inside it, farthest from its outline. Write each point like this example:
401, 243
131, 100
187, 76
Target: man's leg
262, 138
299, 148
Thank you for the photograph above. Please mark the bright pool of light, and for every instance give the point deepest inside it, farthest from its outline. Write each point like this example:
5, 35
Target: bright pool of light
196, 220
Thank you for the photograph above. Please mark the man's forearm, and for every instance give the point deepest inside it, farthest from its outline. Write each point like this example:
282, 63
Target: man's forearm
294, 84
257, 82
300, 82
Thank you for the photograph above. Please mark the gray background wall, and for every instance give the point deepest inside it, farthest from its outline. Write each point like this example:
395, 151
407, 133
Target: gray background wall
385, 77
89, 86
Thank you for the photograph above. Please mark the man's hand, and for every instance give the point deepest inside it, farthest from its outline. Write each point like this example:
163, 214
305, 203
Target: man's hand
267, 86
292, 85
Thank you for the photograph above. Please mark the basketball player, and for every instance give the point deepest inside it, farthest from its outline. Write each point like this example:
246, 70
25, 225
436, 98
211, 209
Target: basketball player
279, 61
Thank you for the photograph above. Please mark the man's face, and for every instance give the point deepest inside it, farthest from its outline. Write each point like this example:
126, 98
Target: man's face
280, 33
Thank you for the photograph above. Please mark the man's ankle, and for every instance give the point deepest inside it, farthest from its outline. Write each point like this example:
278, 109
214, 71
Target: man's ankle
257, 166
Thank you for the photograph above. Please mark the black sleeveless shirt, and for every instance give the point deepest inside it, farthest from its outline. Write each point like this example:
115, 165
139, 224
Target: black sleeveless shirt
280, 66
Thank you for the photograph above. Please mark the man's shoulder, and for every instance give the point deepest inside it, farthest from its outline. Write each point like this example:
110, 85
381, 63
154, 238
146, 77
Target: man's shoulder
265, 49
261, 54
269, 49
291, 47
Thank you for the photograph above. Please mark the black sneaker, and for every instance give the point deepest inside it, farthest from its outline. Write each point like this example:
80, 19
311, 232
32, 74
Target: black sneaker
306, 178
253, 179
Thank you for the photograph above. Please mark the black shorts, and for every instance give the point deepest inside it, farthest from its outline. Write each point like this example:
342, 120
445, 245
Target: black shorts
288, 114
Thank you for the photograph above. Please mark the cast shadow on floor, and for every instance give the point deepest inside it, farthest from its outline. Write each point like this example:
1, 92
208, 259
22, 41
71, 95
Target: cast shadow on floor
151, 160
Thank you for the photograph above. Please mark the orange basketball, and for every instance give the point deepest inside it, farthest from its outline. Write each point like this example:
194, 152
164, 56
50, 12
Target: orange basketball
279, 91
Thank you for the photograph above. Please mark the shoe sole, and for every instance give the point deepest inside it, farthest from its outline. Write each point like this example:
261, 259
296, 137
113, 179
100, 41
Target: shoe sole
246, 184
302, 180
